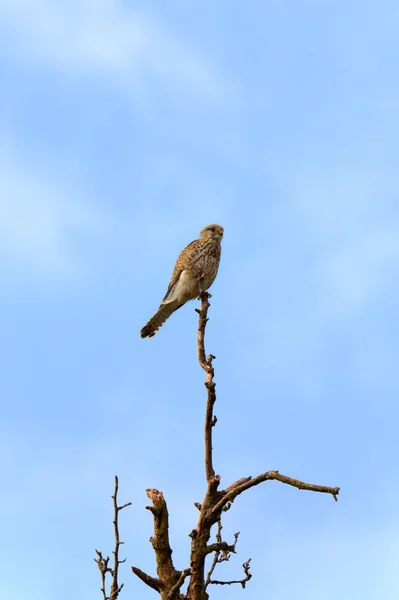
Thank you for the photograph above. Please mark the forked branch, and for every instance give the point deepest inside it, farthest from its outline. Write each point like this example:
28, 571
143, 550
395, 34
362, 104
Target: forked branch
169, 580
102, 562
221, 551
215, 501
242, 582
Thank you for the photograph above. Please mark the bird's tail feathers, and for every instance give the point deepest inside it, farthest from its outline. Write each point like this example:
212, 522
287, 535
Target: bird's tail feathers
156, 322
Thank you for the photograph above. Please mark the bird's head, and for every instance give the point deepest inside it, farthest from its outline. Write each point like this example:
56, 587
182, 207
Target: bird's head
215, 232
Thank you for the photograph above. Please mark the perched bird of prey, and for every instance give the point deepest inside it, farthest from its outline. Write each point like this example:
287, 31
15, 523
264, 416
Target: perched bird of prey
195, 271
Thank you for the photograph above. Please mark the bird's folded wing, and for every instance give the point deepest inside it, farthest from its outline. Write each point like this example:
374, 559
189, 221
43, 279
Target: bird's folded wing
169, 296
182, 261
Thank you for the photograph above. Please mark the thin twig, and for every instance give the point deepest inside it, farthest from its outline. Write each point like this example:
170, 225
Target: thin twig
242, 582
206, 365
222, 547
216, 555
102, 562
221, 550
115, 588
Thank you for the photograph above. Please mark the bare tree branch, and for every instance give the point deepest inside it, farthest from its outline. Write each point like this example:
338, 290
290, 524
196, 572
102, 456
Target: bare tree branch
235, 490
102, 562
237, 483
221, 550
206, 365
215, 502
152, 582
169, 579
220, 547
203, 319
160, 540
175, 589
207, 518
242, 582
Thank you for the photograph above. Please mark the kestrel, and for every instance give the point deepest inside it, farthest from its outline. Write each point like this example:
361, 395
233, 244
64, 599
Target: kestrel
195, 271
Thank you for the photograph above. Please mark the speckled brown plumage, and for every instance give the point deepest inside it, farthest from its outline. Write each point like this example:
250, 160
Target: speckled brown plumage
195, 270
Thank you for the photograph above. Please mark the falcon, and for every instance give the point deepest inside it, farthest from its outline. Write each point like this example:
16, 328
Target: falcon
195, 271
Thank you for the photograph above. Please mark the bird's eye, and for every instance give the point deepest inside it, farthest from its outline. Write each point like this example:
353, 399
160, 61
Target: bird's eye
213, 229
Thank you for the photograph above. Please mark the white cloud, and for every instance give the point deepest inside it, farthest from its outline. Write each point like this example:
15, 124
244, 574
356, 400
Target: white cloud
42, 220
106, 37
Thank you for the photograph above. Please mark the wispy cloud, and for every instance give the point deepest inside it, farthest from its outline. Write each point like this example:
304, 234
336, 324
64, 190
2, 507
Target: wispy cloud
43, 220
107, 37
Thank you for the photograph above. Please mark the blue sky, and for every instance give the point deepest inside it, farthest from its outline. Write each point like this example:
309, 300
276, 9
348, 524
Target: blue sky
125, 128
